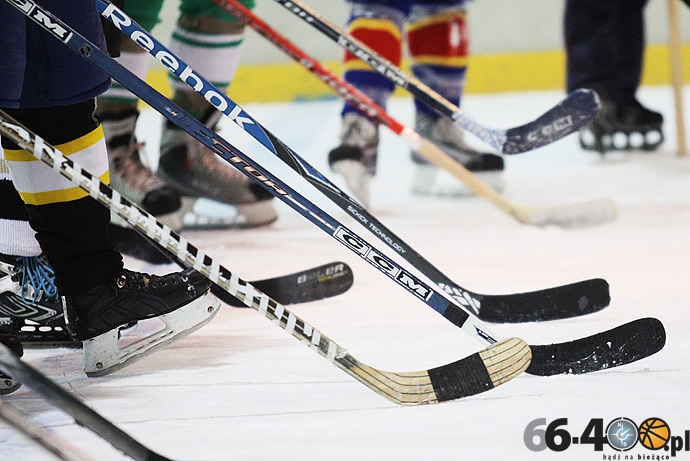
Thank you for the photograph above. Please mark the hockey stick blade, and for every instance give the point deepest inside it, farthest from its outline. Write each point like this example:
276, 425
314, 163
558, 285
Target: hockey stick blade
622, 345
571, 114
574, 215
496, 364
82, 414
482, 371
567, 117
565, 301
309, 285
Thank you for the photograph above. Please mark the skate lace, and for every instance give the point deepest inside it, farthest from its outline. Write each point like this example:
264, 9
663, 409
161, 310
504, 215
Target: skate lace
38, 279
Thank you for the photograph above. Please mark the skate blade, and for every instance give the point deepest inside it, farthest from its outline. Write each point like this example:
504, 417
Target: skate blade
104, 354
205, 214
429, 180
356, 177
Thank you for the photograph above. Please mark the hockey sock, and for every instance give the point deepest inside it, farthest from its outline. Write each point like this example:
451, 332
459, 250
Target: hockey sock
16, 236
381, 30
438, 41
71, 227
215, 56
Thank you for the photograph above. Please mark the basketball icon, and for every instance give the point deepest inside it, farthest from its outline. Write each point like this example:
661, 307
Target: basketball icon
654, 433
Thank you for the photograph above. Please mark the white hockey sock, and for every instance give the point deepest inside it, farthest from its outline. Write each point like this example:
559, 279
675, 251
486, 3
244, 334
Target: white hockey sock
17, 238
216, 57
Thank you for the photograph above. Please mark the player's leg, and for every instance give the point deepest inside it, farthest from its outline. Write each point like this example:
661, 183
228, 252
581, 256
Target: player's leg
210, 40
379, 25
438, 42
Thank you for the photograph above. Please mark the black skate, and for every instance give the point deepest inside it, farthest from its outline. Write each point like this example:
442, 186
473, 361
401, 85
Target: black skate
180, 300
7, 383
626, 128
29, 298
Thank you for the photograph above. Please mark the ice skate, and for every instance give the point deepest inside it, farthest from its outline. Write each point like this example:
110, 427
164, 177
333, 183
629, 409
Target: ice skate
197, 172
128, 174
355, 157
623, 128
29, 298
7, 383
447, 135
180, 301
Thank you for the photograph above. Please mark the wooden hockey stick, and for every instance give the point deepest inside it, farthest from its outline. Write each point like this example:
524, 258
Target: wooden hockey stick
677, 74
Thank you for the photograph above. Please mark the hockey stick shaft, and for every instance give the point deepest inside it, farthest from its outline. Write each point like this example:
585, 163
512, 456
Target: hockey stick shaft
567, 117
222, 102
81, 413
494, 365
53, 444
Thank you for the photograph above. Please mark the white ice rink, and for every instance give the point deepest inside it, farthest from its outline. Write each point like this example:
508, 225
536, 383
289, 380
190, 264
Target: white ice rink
243, 389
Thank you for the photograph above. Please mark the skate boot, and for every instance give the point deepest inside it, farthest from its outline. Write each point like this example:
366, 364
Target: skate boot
181, 301
29, 298
623, 128
355, 157
449, 136
197, 172
130, 177
7, 339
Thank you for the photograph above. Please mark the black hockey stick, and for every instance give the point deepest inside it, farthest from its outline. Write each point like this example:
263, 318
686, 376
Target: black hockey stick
406, 280
82, 414
55, 445
567, 117
479, 372
549, 304
309, 285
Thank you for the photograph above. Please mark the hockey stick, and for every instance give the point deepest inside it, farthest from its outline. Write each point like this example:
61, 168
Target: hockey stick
653, 333
560, 302
573, 215
675, 52
478, 372
309, 285
56, 446
567, 117
82, 414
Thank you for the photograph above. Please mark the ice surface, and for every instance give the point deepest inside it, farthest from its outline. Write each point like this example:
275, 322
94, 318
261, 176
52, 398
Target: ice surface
242, 389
